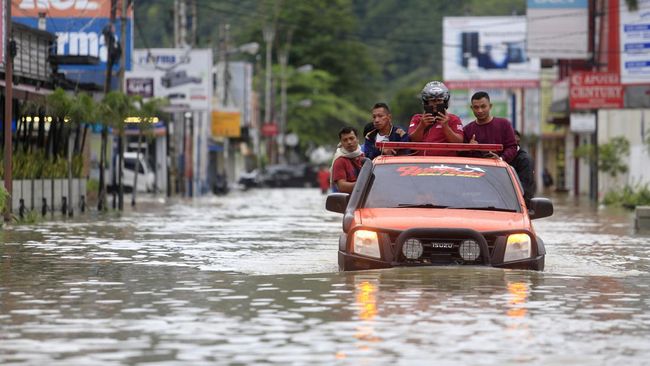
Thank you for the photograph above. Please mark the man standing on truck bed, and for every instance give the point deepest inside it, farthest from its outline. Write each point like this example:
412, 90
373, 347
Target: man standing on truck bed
487, 129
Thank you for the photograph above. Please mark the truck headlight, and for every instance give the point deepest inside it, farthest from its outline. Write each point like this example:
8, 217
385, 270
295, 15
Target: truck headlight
366, 242
518, 247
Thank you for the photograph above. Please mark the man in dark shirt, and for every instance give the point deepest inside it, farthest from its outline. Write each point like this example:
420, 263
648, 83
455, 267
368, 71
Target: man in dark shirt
487, 129
525, 167
383, 130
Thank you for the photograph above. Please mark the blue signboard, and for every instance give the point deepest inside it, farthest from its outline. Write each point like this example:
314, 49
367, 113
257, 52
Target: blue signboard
83, 36
557, 4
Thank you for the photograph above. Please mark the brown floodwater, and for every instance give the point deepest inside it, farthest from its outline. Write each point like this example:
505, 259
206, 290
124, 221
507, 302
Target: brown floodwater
252, 278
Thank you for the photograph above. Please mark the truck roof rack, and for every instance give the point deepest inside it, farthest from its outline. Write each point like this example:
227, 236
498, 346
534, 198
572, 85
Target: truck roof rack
438, 146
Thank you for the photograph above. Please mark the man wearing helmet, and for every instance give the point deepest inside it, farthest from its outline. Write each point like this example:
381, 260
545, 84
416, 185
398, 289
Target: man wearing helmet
435, 124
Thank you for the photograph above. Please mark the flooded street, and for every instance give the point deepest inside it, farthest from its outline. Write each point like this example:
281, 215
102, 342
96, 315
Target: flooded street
252, 278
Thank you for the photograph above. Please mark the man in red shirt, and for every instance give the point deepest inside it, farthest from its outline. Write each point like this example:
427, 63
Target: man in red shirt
435, 124
487, 129
347, 162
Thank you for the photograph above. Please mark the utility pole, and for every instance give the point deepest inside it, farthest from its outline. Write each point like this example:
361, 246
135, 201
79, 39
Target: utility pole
594, 22
108, 40
269, 34
194, 25
125, 8
283, 57
8, 112
224, 49
122, 70
180, 24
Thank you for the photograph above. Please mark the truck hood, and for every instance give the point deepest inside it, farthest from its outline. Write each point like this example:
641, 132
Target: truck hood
407, 218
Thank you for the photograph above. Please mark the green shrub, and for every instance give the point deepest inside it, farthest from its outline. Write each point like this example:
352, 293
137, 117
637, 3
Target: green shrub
30, 217
34, 165
92, 185
4, 196
628, 197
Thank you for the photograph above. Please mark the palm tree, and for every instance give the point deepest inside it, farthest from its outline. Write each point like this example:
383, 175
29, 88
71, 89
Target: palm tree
70, 113
145, 112
115, 108
83, 110
58, 106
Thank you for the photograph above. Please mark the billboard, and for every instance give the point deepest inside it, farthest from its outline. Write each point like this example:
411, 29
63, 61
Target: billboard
78, 25
595, 90
183, 76
634, 34
558, 29
487, 52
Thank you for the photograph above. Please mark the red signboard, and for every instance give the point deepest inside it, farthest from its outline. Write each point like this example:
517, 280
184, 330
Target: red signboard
65, 8
595, 90
269, 129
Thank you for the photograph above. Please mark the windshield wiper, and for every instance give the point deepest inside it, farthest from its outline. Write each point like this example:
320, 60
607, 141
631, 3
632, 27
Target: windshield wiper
485, 208
420, 205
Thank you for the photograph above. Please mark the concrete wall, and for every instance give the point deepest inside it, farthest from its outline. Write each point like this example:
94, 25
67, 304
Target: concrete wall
634, 125
53, 190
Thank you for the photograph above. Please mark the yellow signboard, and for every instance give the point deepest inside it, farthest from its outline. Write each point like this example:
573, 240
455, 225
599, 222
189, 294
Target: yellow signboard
226, 124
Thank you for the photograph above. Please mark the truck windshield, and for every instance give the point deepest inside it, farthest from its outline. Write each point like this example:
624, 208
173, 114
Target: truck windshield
448, 186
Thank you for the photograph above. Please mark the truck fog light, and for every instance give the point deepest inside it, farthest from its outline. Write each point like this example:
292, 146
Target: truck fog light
412, 249
469, 250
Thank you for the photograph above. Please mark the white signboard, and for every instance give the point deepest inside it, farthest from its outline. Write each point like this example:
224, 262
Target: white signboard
182, 76
635, 44
558, 29
583, 122
487, 52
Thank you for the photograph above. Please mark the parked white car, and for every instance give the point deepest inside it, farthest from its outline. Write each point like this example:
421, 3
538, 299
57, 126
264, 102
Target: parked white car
146, 177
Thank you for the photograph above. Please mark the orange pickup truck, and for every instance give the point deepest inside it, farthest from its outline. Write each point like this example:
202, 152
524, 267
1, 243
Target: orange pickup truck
438, 210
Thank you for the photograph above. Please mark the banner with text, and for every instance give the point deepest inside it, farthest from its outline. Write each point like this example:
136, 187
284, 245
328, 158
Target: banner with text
183, 76
78, 26
635, 43
595, 90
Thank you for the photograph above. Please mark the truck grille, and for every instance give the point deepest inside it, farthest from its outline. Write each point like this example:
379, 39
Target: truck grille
441, 251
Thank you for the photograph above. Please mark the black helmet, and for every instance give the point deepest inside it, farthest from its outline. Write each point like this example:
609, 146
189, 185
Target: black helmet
434, 90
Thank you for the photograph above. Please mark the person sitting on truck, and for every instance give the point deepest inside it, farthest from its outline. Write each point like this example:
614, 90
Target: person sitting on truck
383, 130
347, 161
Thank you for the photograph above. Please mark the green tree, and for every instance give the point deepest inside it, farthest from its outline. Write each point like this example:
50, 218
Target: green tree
611, 156
405, 104
316, 112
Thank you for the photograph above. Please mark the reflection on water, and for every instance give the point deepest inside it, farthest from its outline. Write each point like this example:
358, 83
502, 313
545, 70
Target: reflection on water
252, 278
518, 295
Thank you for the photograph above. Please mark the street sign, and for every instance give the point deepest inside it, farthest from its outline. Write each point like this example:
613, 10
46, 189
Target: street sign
595, 90
270, 129
226, 123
